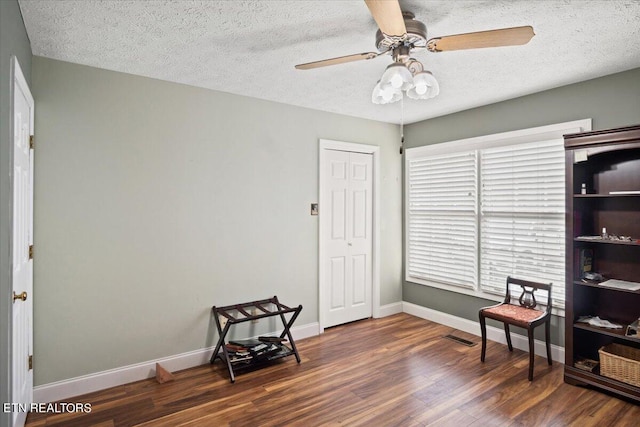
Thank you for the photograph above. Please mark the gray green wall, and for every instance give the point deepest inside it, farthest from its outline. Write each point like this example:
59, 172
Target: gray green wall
13, 41
155, 201
611, 101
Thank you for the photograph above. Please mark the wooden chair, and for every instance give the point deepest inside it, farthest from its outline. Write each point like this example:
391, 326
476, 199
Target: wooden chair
520, 312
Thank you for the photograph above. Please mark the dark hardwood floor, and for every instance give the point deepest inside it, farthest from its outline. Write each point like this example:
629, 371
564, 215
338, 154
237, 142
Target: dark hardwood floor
394, 371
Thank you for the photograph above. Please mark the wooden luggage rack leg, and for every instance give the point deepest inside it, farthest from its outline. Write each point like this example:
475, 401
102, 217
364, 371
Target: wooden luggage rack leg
222, 333
287, 328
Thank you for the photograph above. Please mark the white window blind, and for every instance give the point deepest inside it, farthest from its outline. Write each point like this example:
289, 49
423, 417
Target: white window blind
442, 219
522, 215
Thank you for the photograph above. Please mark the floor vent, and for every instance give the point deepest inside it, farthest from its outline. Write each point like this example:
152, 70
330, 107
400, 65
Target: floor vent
460, 340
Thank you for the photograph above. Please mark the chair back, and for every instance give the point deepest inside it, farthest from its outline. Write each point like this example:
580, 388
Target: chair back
523, 292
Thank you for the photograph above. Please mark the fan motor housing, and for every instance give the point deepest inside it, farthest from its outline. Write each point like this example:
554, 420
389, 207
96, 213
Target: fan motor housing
416, 34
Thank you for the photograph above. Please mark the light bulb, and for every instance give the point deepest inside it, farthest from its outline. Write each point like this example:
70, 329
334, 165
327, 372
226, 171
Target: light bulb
396, 81
385, 95
397, 76
421, 89
425, 86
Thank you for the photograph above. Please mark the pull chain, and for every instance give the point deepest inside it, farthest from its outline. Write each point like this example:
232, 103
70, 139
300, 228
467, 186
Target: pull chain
401, 124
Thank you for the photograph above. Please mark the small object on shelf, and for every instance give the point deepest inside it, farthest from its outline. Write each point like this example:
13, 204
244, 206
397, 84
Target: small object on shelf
263, 352
586, 262
583, 190
245, 343
592, 277
633, 330
604, 234
580, 156
598, 322
613, 237
235, 347
623, 193
609, 238
621, 363
621, 284
585, 364
272, 339
162, 375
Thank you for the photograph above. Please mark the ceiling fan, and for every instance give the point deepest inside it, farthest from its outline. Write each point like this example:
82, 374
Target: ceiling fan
399, 33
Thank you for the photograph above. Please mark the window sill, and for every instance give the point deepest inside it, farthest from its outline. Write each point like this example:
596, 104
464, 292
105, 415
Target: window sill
556, 311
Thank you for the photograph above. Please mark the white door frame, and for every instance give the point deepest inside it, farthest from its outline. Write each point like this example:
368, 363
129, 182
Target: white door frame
326, 144
18, 80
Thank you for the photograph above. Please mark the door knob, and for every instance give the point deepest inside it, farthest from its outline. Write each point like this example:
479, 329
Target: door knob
22, 296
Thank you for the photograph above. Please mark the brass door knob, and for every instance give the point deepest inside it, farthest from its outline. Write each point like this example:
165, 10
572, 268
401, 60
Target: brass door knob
22, 296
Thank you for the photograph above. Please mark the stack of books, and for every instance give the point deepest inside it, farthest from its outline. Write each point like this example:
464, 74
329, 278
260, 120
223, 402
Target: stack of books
251, 350
585, 364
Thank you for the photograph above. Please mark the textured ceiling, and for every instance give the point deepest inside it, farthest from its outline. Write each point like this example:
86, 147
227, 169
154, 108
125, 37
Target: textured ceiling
250, 47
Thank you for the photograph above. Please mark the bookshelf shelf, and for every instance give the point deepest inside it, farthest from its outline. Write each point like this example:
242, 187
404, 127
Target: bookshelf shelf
616, 333
604, 196
599, 286
607, 242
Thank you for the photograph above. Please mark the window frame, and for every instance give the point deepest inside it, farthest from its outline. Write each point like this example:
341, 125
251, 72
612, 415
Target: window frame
541, 133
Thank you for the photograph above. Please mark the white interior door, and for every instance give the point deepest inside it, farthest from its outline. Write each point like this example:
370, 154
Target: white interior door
348, 243
22, 278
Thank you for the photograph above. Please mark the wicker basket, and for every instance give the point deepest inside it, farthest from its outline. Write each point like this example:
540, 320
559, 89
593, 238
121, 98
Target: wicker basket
621, 363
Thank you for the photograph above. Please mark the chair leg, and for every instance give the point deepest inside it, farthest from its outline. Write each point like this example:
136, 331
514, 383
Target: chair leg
547, 337
531, 353
483, 331
508, 334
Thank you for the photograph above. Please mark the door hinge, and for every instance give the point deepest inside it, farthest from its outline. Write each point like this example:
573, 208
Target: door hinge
32, 141
30, 251
30, 361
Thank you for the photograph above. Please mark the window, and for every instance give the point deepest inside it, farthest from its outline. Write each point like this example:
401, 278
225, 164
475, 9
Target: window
443, 224
482, 209
522, 215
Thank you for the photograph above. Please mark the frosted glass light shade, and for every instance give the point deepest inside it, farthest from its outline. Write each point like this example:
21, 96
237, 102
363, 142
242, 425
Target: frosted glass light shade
396, 76
425, 86
385, 96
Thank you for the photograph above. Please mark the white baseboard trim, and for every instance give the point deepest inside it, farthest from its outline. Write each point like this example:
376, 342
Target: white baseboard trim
77, 386
473, 327
390, 309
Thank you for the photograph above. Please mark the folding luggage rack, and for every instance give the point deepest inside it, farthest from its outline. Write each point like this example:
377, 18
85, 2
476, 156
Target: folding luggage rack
243, 313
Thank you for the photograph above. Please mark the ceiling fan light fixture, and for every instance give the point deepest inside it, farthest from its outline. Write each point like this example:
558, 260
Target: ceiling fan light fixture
425, 86
396, 76
386, 95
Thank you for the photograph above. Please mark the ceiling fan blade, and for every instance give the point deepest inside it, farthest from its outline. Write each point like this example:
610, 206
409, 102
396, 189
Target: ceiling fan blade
338, 60
492, 38
388, 16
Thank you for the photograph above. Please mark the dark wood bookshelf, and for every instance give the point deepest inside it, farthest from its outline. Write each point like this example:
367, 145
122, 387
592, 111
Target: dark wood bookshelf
604, 161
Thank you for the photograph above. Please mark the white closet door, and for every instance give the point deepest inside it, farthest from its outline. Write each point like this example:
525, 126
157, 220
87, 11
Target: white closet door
348, 263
